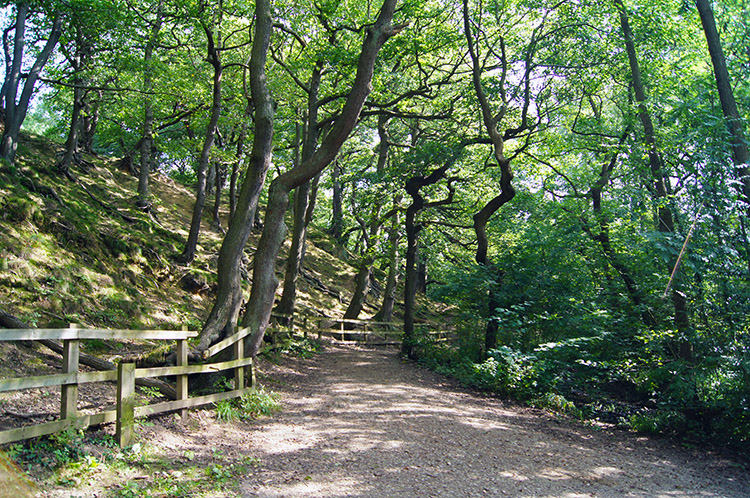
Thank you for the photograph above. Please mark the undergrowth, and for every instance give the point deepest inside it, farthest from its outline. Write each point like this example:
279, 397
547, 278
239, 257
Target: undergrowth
705, 403
72, 458
251, 405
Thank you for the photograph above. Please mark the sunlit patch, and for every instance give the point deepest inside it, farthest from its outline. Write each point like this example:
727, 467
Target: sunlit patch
314, 486
516, 476
12, 482
555, 475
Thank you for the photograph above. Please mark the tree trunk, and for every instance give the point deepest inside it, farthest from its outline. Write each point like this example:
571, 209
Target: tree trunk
16, 109
90, 121
302, 200
218, 184
337, 211
611, 255
226, 308
238, 164
389, 294
507, 191
410, 274
214, 57
274, 230
296, 250
71, 144
364, 274
413, 186
361, 287
740, 153
665, 222
147, 141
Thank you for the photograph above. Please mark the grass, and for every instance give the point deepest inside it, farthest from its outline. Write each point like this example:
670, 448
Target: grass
78, 461
251, 405
73, 261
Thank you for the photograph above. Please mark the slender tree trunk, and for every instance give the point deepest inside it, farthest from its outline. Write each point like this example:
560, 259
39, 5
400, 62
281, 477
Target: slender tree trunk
71, 144
337, 211
78, 62
740, 153
274, 230
665, 223
147, 141
15, 108
413, 186
210, 178
218, 184
364, 274
296, 249
361, 287
389, 293
603, 238
410, 277
301, 200
188, 253
507, 191
90, 121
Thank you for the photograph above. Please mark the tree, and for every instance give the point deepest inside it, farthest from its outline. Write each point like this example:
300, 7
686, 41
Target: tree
264, 281
15, 106
215, 48
226, 307
147, 140
665, 218
740, 151
413, 187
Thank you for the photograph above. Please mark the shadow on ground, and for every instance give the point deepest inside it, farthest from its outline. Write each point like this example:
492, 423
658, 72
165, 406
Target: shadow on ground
361, 423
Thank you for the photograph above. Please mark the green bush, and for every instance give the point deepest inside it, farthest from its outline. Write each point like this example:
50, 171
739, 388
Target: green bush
251, 405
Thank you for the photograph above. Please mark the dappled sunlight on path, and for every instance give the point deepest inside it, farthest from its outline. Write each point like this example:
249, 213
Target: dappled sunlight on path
361, 423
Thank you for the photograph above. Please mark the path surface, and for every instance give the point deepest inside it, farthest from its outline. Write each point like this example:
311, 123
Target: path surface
361, 423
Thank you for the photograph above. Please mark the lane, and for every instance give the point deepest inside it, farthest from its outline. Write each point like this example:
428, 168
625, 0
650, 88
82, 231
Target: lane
362, 423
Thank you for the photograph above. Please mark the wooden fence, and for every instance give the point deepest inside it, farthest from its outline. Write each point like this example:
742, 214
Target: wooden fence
126, 410
364, 331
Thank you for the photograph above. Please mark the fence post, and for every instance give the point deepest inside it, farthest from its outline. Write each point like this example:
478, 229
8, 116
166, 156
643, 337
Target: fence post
239, 372
182, 380
69, 392
125, 404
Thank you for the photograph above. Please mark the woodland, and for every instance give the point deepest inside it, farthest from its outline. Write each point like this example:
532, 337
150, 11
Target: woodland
568, 180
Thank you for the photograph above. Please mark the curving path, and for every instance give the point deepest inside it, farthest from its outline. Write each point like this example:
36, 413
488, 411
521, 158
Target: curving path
361, 423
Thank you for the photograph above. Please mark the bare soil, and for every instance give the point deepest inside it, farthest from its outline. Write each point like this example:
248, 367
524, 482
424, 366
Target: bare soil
363, 423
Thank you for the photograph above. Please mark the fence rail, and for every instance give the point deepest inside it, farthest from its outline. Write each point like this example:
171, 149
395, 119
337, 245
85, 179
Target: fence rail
365, 331
126, 410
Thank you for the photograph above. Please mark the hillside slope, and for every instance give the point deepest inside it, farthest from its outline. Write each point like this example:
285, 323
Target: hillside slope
79, 251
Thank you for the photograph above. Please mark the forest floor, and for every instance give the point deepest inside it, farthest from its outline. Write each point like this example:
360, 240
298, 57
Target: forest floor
363, 423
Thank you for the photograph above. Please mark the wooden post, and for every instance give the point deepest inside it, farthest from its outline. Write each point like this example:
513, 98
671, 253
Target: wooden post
253, 382
182, 380
69, 393
125, 404
239, 372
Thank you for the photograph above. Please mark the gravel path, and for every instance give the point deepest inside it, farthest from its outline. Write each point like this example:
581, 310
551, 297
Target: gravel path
362, 423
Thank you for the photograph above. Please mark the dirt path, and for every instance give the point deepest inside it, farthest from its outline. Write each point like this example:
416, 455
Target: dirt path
361, 423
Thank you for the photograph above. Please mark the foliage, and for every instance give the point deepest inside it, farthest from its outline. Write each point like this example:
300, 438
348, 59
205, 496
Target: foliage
251, 405
578, 270
67, 451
